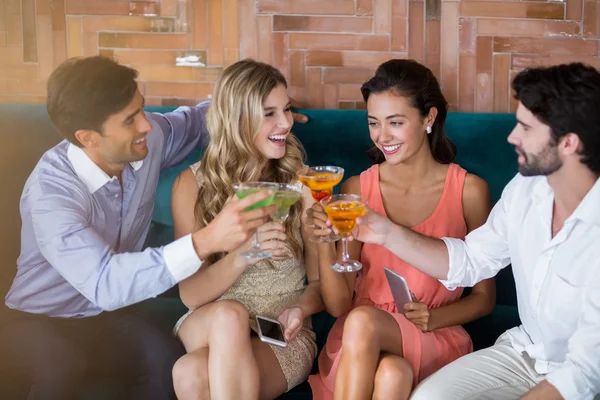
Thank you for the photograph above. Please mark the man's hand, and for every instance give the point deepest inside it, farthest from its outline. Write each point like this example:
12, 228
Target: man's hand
372, 228
292, 320
543, 391
232, 226
301, 118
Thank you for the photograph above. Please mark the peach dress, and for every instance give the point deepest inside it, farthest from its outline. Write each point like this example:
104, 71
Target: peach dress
426, 352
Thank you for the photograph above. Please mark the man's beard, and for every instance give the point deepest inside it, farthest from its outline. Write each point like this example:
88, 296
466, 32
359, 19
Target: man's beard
545, 163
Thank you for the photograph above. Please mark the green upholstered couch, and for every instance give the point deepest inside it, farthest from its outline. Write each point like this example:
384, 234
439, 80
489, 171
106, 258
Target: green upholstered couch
338, 137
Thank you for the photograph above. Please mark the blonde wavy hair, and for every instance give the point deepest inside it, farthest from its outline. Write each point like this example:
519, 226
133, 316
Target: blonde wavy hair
234, 119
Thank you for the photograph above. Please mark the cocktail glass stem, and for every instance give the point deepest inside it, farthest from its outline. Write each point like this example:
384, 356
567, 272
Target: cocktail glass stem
345, 255
255, 242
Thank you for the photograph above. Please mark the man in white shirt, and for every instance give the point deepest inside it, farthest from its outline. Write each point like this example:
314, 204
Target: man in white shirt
547, 224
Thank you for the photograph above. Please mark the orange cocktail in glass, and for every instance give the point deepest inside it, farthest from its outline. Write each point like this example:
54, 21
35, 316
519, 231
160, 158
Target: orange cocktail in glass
343, 210
321, 180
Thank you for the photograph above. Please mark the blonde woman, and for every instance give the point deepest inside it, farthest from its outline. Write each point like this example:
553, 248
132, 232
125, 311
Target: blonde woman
249, 121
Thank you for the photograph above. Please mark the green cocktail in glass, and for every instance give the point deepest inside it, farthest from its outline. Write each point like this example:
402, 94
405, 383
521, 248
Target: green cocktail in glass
245, 189
287, 195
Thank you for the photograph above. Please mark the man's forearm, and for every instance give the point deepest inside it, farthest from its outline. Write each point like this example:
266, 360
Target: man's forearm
543, 391
427, 254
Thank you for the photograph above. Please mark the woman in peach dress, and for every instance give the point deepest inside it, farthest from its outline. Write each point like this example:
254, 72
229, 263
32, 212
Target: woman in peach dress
374, 350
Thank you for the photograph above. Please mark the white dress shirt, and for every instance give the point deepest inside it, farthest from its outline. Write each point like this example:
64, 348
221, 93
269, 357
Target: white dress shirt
557, 279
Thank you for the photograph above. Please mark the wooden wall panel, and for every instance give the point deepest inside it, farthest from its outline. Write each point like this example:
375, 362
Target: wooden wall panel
326, 49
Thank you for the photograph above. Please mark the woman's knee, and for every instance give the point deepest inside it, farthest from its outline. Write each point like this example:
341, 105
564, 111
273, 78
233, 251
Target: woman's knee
190, 377
392, 371
230, 314
359, 327
220, 318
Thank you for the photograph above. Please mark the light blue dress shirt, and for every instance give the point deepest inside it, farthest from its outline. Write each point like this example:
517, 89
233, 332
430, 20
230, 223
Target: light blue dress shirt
82, 231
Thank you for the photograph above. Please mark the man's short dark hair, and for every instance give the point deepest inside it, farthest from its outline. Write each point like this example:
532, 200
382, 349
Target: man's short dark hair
565, 97
84, 92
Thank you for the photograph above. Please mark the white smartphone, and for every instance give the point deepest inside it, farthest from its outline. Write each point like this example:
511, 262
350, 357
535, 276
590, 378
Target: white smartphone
270, 331
399, 289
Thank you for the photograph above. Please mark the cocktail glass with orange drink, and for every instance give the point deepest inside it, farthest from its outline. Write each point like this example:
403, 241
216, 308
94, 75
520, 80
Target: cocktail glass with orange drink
321, 180
343, 210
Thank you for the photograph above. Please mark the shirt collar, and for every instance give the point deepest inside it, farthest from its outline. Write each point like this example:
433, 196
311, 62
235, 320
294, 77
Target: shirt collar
541, 190
586, 211
87, 170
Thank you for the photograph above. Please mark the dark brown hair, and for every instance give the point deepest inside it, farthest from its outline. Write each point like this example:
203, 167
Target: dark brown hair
565, 97
84, 92
417, 83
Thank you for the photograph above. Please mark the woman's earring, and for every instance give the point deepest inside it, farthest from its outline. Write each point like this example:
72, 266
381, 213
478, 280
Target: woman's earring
428, 130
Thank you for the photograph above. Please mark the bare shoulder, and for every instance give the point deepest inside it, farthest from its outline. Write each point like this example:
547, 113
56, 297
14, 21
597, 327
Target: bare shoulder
475, 190
183, 203
476, 201
185, 185
351, 185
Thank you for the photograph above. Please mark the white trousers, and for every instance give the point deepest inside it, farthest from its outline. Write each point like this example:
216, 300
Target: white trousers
496, 373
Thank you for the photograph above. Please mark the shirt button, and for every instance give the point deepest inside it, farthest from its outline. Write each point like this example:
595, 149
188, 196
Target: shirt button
116, 196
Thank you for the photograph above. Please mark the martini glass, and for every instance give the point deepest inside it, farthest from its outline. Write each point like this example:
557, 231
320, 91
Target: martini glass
287, 195
245, 189
321, 180
343, 210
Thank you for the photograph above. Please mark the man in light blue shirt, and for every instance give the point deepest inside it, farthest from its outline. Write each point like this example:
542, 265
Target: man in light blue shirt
86, 210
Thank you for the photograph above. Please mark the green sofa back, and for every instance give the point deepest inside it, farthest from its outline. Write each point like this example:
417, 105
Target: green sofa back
341, 137
331, 137
338, 137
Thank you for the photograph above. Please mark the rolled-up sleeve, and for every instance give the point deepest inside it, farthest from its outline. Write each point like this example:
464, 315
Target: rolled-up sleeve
579, 377
485, 250
83, 258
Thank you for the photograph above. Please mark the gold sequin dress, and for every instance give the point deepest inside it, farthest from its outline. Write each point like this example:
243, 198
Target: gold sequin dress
268, 290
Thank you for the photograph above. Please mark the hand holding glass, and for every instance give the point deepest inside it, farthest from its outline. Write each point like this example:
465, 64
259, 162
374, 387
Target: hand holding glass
244, 189
343, 210
321, 180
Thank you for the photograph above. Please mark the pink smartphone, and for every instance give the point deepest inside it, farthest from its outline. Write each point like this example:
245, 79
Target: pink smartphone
399, 289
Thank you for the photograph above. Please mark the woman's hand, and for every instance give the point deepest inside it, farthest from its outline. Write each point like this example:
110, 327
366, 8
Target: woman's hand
292, 320
317, 221
271, 237
419, 314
